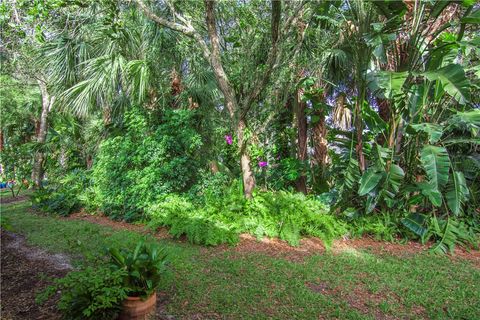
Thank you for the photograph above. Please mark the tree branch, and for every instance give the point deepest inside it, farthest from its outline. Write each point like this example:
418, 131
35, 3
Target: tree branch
186, 28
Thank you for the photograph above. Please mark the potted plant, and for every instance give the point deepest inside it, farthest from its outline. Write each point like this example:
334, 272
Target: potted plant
143, 270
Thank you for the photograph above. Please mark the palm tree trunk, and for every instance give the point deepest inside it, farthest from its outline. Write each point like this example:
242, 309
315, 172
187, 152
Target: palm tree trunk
320, 140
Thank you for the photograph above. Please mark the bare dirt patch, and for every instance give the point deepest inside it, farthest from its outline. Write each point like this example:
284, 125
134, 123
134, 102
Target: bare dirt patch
4, 199
25, 272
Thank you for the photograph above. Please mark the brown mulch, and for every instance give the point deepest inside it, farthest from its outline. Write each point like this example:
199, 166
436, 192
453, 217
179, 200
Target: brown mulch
25, 271
280, 249
9, 199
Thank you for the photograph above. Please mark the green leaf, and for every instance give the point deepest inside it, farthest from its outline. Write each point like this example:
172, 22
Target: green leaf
431, 193
369, 180
395, 177
436, 162
455, 83
457, 193
473, 18
352, 174
434, 131
390, 82
416, 223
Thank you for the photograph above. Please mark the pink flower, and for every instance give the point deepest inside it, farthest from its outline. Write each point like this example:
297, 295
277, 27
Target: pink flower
228, 139
262, 164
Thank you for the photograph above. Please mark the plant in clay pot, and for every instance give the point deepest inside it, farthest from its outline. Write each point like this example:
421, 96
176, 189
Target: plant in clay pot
143, 272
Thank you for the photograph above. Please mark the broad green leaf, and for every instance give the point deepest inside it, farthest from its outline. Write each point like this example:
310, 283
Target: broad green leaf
436, 162
454, 81
372, 119
395, 177
416, 223
472, 18
369, 180
457, 193
469, 120
434, 131
371, 203
353, 173
390, 82
431, 193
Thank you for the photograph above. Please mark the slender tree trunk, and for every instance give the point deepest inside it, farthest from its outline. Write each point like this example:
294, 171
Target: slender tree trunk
176, 88
1, 140
320, 140
359, 122
301, 183
38, 169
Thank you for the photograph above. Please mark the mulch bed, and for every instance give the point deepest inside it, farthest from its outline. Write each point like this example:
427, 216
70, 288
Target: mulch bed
281, 249
25, 271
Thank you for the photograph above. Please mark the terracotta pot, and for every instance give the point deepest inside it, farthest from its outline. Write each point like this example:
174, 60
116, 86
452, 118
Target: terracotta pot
134, 308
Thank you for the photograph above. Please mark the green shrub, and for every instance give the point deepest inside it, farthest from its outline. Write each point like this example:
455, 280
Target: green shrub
184, 219
382, 226
221, 219
133, 170
93, 293
63, 196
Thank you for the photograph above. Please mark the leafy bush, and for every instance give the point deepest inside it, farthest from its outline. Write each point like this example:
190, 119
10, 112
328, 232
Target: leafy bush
221, 219
183, 218
144, 267
146, 162
63, 196
92, 293
382, 226
447, 233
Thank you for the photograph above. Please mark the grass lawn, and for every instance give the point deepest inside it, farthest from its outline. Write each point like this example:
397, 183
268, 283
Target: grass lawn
224, 284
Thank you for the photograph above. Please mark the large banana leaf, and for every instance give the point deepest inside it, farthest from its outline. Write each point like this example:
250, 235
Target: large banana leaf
395, 177
370, 180
431, 193
454, 81
434, 131
469, 120
352, 174
389, 82
436, 162
457, 193
416, 223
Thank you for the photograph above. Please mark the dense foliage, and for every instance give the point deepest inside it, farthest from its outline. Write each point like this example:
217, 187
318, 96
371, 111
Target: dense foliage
279, 119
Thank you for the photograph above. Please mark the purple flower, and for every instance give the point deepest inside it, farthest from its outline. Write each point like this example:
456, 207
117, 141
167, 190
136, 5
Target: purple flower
229, 139
262, 164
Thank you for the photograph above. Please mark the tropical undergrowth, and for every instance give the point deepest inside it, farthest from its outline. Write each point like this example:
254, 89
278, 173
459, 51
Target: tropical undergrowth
220, 219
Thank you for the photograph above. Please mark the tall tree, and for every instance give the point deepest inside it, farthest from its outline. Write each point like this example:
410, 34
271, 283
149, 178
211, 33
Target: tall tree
237, 104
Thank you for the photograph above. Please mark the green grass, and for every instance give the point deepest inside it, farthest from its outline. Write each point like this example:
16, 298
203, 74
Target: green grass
209, 284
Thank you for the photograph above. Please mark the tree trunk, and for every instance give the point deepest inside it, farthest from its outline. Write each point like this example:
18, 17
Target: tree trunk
320, 140
1, 140
359, 131
229, 99
245, 163
38, 169
301, 183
